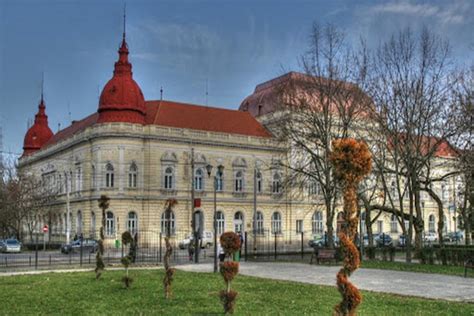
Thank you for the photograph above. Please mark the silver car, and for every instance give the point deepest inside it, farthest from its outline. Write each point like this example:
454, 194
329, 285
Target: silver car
10, 245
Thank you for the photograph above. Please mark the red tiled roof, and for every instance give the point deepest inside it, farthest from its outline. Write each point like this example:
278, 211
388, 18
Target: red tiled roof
181, 115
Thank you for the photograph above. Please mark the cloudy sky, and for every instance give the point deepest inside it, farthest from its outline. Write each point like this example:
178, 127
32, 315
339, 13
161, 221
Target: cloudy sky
183, 46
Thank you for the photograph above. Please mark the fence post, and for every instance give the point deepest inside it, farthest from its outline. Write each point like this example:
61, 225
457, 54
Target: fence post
36, 253
245, 242
275, 246
161, 235
302, 245
30, 261
80, 260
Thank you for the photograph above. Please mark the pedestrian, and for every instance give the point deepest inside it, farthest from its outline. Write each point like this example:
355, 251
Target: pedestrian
220, 252
191, 250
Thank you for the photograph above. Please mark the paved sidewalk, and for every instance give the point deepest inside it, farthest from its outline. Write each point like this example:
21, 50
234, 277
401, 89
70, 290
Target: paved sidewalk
436, 286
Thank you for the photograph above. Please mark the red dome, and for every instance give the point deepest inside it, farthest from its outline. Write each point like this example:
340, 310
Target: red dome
122, 99
38, 134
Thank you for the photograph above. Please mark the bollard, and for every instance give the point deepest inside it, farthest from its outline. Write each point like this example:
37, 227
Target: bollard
89, 258
245, 243
30, 261
50, 260
302, 245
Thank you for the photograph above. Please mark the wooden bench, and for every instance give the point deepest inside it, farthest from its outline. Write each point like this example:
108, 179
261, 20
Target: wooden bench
469, 264
323, 254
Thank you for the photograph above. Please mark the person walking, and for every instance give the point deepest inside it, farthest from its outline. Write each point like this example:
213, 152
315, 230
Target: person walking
191, 250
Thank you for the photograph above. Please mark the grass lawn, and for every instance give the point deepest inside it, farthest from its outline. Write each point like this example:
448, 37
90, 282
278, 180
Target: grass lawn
194, 293
416, 267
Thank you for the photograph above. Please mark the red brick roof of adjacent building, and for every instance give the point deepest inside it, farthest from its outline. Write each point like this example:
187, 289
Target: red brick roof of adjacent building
181, 115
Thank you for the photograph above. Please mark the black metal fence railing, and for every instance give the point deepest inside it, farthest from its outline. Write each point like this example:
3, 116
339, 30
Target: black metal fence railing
45, 252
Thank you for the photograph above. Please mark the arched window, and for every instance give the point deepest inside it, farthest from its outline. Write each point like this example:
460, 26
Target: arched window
394, 224
220, 220
431, 224
259, 182
132, 176
92, 232
78, 177
259, 223
93, 177
132, 223
79, 222
219, 180
276, 223
317, 223
445, 224
198, 180
276, 183
239, 222
168, 181
239, 181
109, 176
172, 223
109, 224
362, 220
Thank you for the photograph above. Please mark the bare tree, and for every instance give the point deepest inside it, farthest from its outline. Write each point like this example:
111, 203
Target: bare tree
323, 104
411, 88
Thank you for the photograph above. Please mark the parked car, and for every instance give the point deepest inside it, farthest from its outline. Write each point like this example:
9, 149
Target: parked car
453, 237
207, 240
402, 241
320, 241
430, 237
10, 245
383, 240
88, 245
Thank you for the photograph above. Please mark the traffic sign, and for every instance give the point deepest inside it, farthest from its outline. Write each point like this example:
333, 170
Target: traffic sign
45, 228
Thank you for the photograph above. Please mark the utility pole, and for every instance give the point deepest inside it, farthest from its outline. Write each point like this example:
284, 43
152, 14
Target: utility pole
68, 209
194, 225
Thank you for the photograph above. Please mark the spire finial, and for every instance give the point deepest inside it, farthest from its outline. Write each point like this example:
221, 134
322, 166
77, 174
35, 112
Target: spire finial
124, 19
161, 93
42, 86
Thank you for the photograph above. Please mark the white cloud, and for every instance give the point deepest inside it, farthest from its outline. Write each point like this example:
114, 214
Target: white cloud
452, 14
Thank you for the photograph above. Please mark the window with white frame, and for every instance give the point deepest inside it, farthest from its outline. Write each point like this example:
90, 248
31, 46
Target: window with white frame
362, 220
198, 179
132, 175
259, 223
169, 178
259, 182
393, 224
79, 222
431, 224
109, 224
238, 222
445, 224
276, 183
299, 226
276, 223
314, 188
93, 177
220, 221
164, 222
380, 226
109, 175
219, 180
444, 192
78, 177
239, 181
132, 223
317, 223
92, 231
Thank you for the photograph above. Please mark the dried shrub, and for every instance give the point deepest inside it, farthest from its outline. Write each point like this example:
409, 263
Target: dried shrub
230, 242
352, 162
229, 270
228, 299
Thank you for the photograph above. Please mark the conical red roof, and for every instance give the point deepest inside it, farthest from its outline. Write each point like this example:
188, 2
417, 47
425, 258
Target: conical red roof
122, 99
38, 134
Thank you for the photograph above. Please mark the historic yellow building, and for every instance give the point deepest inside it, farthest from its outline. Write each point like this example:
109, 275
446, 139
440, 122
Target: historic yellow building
141, 153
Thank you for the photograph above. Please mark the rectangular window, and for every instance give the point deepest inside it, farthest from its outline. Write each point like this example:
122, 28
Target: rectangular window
380, 227
299, 226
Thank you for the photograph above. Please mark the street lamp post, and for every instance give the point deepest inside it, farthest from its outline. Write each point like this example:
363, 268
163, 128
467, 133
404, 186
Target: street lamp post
220, 169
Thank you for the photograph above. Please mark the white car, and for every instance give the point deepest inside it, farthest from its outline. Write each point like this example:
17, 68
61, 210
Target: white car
11, 245
430, 237
206, 241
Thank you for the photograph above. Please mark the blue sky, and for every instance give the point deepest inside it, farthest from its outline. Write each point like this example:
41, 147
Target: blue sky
181, 45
